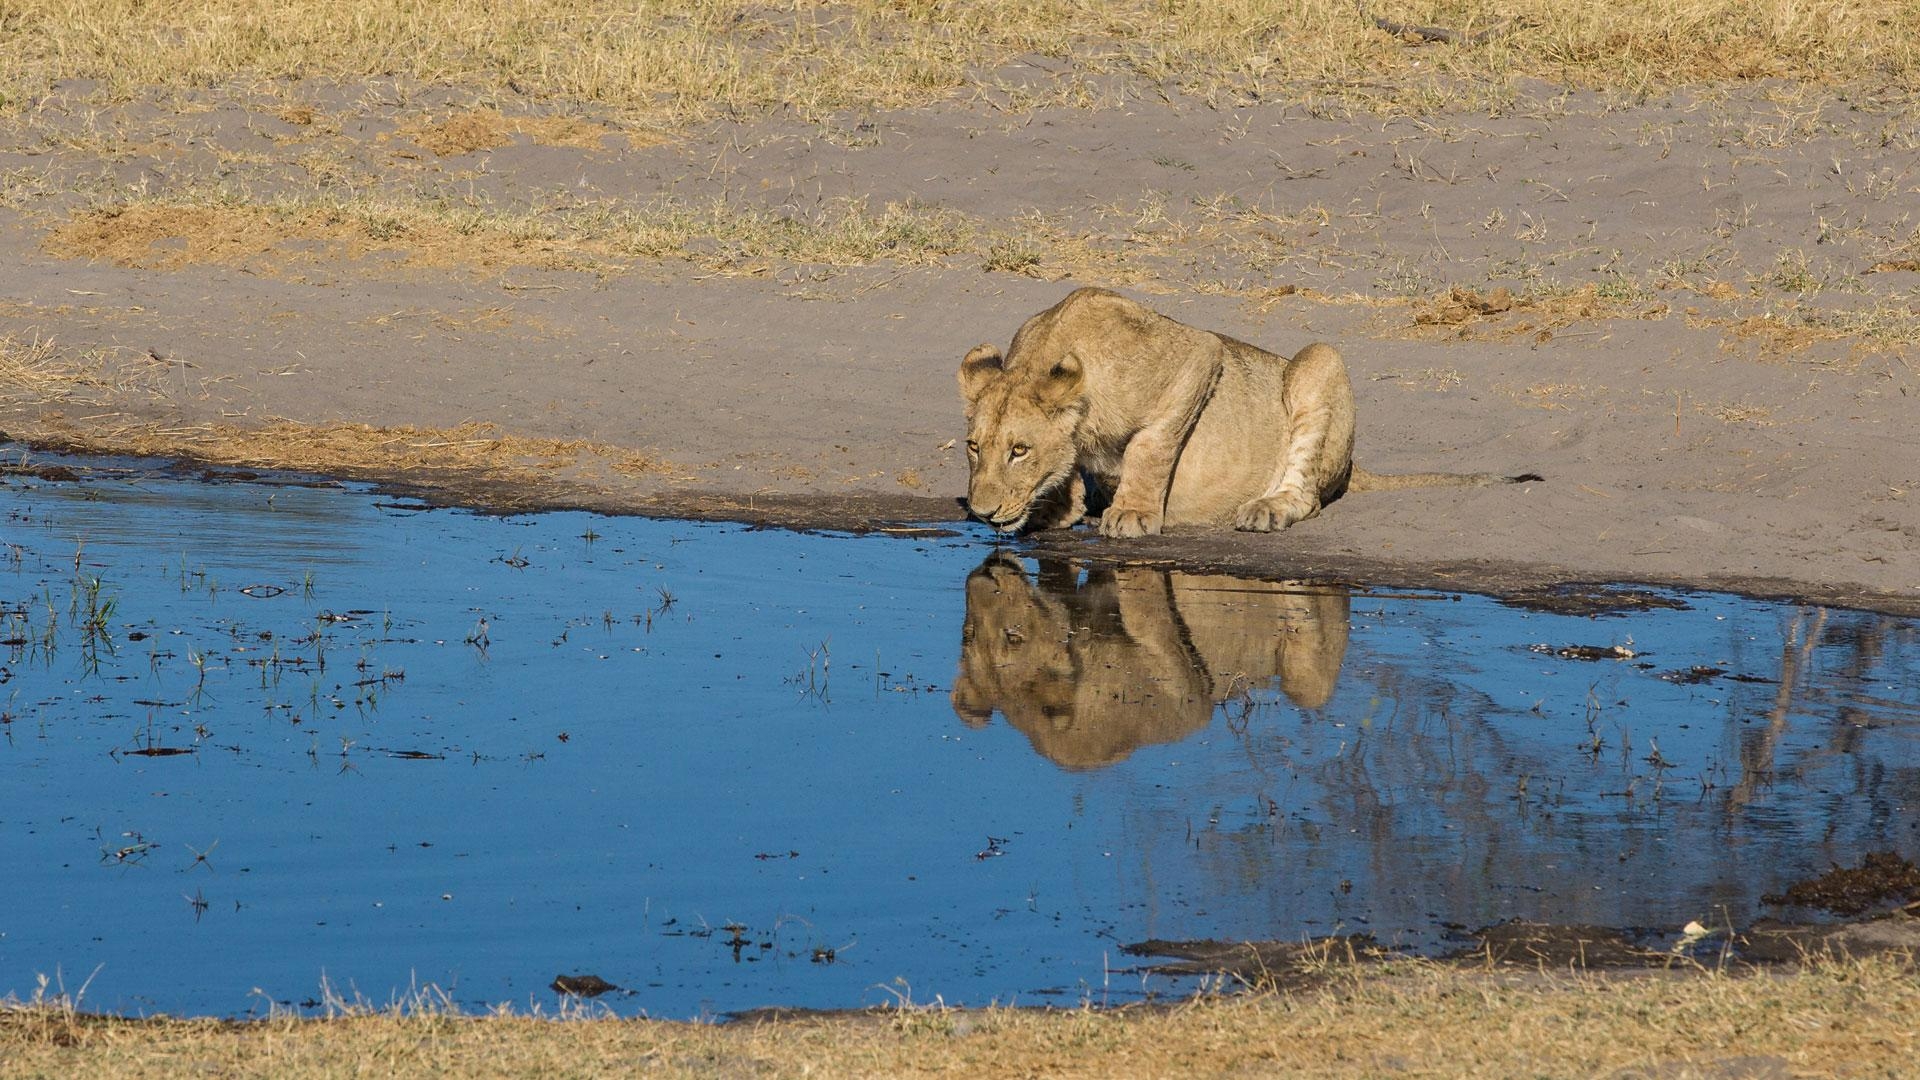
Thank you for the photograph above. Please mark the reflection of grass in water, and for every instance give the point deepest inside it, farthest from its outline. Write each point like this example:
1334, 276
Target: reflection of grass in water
667, 600
812, 680
1830, 1017
480, 638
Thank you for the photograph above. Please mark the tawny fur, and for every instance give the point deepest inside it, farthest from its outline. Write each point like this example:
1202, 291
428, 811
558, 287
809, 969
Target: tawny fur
1176, 425
1091, 670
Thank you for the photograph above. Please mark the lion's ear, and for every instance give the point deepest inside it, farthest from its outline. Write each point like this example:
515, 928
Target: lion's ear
1061, 383
980, 365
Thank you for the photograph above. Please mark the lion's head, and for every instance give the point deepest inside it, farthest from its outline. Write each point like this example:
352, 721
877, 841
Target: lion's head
1021, 451
1014, 644
1091, 669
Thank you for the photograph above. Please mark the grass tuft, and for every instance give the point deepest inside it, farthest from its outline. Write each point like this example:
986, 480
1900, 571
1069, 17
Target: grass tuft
427, 232
38, 372
484, 129
1830, 1017
474, 449
676, 61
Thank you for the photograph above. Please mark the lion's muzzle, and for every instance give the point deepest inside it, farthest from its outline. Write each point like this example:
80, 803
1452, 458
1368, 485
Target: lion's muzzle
1005, 518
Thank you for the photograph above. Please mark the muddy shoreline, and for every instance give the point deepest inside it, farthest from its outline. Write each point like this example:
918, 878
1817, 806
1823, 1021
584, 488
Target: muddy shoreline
1627, 297
1499, 953
1502, 951
1292, 556
1767, 945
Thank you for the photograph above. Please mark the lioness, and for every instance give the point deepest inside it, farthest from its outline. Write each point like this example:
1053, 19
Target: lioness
1101, 396
1092, 670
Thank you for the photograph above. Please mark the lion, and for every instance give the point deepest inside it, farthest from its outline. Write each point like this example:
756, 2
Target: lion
1100, 398
1090, 671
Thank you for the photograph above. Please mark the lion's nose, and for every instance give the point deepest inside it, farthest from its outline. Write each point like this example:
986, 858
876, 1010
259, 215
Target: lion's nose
1000, 515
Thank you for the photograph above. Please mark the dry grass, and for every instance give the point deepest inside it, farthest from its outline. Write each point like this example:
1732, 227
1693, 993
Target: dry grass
1047, 247
1136, 247
472, 450
40, 383
37, 372
1122, 245
1435, 379
469, 130
278, 236
1833, 1018
419, 230
1462, 313
1887, 328
671, 61
1741, 412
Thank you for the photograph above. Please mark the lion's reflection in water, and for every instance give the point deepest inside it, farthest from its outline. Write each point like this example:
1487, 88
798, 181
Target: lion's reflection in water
1091, 669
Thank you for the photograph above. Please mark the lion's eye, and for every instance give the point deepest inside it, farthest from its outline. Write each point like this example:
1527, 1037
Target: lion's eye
1015, 637
972, 447
1019, 451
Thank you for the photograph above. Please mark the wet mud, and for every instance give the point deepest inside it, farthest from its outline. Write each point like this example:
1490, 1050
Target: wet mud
1531, 946
1883, 877
1524, 584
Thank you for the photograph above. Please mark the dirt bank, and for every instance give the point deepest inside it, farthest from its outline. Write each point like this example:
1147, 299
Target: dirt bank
1690, 312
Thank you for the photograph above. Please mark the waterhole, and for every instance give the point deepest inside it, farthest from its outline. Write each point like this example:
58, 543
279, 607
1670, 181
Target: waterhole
268, 743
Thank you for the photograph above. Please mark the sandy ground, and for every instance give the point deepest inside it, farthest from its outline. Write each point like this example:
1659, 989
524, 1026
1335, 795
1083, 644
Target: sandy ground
1708, 361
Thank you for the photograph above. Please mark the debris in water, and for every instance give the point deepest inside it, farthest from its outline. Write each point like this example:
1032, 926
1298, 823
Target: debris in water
1586, 652
586, 986
1882, 877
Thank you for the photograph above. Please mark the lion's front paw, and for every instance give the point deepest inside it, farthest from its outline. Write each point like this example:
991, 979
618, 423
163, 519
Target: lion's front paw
1274, 512
1127, 524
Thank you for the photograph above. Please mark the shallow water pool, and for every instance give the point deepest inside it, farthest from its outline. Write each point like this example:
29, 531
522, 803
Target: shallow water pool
266, 742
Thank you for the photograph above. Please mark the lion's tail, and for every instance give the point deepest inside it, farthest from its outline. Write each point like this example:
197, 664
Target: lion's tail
1362, 480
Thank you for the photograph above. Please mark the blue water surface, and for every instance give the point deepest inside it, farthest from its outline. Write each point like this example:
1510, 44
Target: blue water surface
263, 737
